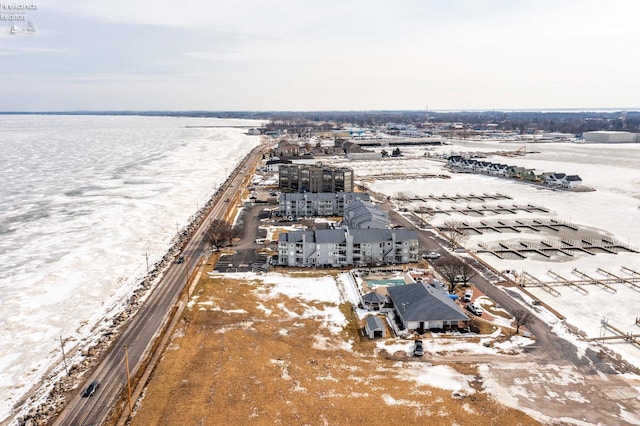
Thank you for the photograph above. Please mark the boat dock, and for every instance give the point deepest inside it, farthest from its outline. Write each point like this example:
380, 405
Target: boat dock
464, 197
617, 333
627, 276
483, 209
546, 248
501, 226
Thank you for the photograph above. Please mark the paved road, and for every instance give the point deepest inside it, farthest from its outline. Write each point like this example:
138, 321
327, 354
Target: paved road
145, 327
244, 257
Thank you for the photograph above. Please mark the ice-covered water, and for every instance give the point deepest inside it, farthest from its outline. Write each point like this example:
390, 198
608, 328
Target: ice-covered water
84, 201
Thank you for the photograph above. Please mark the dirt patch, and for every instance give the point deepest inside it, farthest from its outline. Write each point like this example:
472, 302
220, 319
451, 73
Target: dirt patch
243, 355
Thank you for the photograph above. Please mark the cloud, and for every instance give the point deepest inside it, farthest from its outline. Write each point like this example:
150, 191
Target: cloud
333, 54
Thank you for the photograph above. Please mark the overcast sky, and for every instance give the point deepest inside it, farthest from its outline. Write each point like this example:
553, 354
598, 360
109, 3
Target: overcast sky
320, 55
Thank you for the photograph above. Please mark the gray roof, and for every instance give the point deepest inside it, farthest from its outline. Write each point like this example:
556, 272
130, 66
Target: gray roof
373, 297
296, 236
333, 236
339, 236
557, 175
362, 212
422, 302
376, 235
374, 323
323, 196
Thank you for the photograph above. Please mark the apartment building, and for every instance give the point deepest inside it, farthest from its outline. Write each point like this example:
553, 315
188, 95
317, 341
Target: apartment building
297, 204
344, 247
314, 178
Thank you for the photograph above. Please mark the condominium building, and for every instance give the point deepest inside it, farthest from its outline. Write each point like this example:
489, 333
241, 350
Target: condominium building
344, 247
298, 204
315, 178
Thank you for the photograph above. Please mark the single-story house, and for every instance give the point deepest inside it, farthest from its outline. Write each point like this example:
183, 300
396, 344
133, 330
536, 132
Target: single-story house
423, 306
571, 181
555, 179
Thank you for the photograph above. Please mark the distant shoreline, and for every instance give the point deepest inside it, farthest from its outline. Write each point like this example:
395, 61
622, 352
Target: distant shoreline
262, 114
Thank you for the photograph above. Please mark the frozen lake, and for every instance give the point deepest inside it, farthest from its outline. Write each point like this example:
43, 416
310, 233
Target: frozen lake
85, 201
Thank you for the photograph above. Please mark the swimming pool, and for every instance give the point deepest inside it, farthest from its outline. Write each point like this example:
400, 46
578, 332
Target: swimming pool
392, 282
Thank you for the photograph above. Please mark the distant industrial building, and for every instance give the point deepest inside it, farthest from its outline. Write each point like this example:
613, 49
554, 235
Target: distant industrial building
297, 204
314, 178
603, 136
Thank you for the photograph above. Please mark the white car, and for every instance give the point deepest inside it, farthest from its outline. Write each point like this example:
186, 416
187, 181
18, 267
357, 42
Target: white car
475, 309
432, 255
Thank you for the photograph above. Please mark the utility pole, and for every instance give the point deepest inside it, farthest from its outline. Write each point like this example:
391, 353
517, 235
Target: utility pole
126, 359
64, 357
186, 271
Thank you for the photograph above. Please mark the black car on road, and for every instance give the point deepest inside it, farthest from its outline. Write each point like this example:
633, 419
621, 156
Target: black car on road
91, 389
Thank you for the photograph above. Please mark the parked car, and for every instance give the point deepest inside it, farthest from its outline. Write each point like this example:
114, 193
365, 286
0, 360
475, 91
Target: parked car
418, 350
468, 295
91, 389
475, 309
432, 255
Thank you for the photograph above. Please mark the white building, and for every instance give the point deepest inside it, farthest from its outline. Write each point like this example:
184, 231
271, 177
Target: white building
297, 204
603, 136
344, 247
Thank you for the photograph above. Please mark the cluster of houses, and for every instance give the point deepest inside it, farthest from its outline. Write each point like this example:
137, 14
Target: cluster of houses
289, 149
556, 180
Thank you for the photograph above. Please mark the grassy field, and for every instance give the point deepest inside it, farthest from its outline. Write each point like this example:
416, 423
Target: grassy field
244, 355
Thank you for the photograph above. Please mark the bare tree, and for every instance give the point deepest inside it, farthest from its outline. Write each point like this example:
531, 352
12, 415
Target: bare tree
219, 233
452, 231
456, 272
521, 318
465, 273
450, 271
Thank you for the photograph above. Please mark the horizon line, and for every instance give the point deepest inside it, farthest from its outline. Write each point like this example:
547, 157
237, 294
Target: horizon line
258, 111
